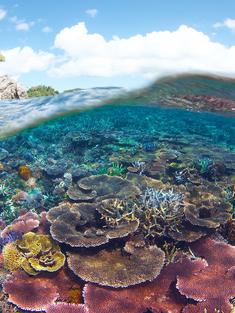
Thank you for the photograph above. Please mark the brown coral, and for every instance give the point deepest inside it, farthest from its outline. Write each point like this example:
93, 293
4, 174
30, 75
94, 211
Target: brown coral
30, 293
107, 186
78, 225
214, 285
118, 268
210, 214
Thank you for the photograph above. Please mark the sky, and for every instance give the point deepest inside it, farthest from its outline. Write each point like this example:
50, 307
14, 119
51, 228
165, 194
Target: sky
128, 43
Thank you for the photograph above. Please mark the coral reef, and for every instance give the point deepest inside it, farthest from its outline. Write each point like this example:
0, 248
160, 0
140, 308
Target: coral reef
214, 286
77, 225
130, 266
157, 296
33, 253
30, 293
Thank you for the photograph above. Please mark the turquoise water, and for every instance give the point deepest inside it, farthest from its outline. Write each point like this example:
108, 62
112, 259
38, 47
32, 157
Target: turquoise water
127, 187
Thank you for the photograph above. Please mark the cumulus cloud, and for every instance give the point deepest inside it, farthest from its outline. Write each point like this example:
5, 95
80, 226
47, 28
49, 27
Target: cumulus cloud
3, 13
92, 12
46, 29
24, 60
21, 24
151, 55
228, 23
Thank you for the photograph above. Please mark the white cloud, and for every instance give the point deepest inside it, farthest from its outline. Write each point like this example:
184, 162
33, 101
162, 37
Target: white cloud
3, 13
150, 55
46, 29
21, 24
228, 23
24, 60
92, 12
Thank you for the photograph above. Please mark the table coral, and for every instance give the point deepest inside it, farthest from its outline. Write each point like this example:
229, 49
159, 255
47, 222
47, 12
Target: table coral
130, 266
30, 293
157, 296
107, 186
214, 286
78, 225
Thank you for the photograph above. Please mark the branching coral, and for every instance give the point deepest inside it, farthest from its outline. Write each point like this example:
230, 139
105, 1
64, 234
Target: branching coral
33, 253
214, 286
132, 265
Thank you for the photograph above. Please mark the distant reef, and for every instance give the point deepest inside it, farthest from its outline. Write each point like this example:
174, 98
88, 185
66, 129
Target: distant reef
10, 89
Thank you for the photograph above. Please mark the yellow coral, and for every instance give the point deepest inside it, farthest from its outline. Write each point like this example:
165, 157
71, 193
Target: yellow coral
33, 253
12, 258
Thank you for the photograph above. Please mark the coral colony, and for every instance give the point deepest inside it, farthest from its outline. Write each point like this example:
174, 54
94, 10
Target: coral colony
100, 214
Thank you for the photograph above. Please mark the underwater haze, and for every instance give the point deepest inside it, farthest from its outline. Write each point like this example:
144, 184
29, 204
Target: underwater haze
120, 202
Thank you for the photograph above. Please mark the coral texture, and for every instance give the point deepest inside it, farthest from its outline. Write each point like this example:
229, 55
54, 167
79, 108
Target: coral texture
130, 266
157, 296
215, 284
78, 225
30, 293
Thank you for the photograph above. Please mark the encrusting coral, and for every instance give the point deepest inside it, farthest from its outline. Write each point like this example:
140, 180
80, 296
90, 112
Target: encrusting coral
33, 253
78, 225
133, 264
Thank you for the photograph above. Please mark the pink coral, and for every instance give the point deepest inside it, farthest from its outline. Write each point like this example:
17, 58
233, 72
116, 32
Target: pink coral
158, 295
214, 285
30, 293
23, 224
67, 308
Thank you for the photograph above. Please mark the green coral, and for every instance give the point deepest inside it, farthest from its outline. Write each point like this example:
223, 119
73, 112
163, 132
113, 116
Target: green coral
115, 169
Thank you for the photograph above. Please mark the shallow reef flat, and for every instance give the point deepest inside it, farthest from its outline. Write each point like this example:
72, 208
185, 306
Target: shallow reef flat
125, 208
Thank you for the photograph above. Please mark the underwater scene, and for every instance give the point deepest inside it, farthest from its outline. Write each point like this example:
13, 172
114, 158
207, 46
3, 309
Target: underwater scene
120, 202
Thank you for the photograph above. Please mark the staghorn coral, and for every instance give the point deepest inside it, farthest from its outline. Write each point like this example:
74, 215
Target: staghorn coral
134, 264
33, 253
157, 296
157, 211
78, 225
66, 308
117, 211
30, 293
214, 285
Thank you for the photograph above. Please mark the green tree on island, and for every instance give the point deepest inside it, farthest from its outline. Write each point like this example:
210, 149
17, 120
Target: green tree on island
41, 90
2, 58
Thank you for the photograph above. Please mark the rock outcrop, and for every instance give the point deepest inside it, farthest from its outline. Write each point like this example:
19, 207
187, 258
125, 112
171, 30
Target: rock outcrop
9, 89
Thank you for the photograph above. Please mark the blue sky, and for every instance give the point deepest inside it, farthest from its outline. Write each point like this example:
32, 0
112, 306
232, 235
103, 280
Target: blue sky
83, 43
